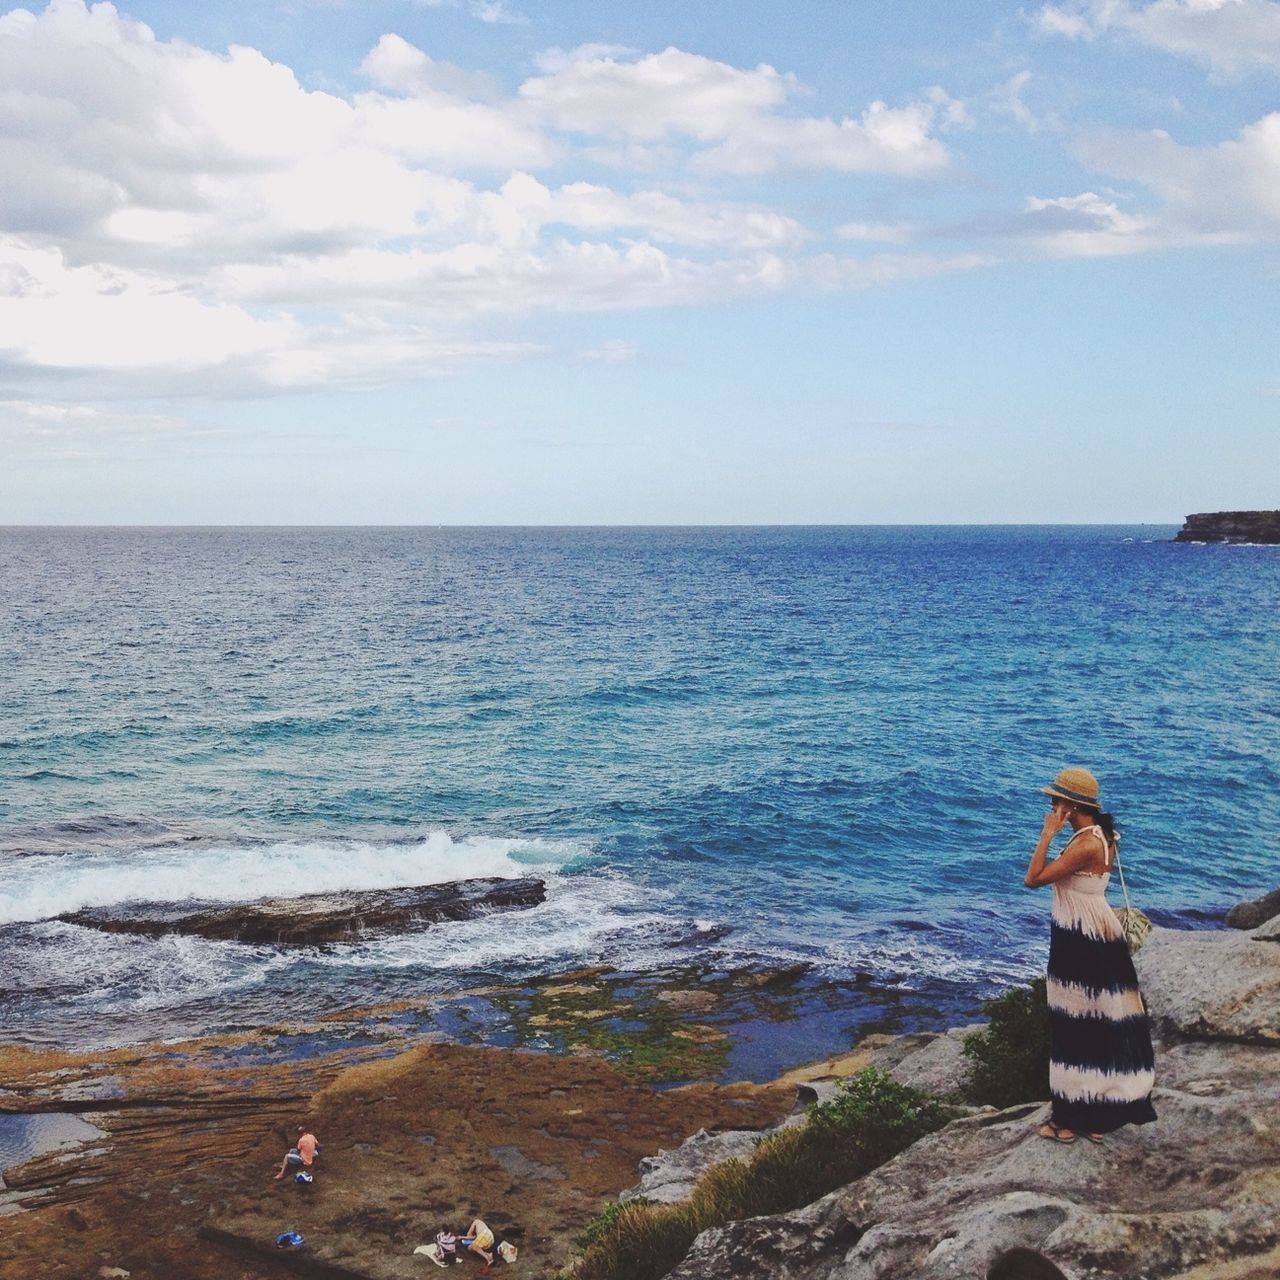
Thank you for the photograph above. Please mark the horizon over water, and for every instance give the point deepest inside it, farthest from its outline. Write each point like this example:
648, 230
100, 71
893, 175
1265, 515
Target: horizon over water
725, 744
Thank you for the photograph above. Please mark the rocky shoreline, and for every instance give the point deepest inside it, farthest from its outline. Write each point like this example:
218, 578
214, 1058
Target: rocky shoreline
416, 1137
1195, 1196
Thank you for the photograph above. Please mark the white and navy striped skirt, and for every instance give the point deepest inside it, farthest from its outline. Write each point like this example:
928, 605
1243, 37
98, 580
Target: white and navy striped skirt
1101, 1065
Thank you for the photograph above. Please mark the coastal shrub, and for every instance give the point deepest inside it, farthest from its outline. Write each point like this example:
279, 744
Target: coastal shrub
603, 1222
870, 1121
1009, 1058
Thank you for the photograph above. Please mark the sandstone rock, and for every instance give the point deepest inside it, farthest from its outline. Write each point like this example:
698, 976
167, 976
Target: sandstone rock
927, 1060
813, 1092
670, 1176
1195, 1196
1199, 1184
689, 1001
1212, 984
1249, 915
934, 1063
1263, 1266
1268, 932
876, 1050
318, 917
939, 1066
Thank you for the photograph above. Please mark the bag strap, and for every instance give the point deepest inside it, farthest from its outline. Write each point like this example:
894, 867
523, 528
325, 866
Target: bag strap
1124, 887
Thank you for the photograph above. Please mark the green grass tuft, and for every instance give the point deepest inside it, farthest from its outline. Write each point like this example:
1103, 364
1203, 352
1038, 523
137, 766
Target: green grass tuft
873, 1119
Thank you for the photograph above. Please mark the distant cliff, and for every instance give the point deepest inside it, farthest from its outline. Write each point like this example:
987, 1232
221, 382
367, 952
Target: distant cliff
1231, 526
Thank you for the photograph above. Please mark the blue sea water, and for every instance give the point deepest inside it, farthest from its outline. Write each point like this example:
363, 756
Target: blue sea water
732, 745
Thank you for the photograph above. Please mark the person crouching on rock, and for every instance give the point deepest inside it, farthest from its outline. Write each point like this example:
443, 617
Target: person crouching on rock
478, 1239
301, 1155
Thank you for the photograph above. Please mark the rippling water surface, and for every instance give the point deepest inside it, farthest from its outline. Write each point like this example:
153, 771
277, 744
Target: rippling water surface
743, 744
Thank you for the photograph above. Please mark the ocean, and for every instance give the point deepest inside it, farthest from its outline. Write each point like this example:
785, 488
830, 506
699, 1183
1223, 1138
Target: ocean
721, 746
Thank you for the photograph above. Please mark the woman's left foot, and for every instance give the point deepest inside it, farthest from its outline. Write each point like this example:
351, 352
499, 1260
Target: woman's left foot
1056, 1133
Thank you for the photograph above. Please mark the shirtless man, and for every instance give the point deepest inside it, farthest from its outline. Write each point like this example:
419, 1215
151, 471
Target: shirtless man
301, 1155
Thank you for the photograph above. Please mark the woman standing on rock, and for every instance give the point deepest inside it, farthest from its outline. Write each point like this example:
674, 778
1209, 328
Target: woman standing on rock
1101, 1066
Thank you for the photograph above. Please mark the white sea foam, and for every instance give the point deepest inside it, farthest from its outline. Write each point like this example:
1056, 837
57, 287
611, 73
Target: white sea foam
913, 960
584, 919
90, 973
39, 889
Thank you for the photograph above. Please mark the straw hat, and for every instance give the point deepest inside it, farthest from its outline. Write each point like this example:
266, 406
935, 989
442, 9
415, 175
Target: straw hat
1077, 785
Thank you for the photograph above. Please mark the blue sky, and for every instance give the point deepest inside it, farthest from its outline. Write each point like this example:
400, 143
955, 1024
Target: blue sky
479, 261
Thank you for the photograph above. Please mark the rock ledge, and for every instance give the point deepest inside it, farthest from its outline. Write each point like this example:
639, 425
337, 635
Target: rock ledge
318, 917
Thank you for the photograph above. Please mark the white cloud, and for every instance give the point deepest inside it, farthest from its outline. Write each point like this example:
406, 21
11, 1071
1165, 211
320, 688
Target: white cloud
451, 133
670, 220
47, 417
393, 63
71, 434
600, 89
1007, 98
1061, 22
496, 12
1231, 36
1225, 192
1087, 226
490, 11
1172, 196
830, 273
886, 232
181, 220
65, 317
615, 351
884, 140
732, 113
107, 321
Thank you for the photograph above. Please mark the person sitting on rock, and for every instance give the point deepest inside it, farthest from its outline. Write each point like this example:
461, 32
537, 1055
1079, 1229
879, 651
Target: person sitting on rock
478, 1239
301, 1155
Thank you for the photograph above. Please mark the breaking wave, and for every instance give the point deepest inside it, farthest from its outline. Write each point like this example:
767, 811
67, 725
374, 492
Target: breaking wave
37, 889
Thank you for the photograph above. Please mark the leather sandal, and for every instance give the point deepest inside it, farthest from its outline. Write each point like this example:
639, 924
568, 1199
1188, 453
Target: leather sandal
1056, 1133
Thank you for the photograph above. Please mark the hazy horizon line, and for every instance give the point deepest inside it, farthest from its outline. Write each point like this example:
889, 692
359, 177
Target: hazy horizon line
674, 524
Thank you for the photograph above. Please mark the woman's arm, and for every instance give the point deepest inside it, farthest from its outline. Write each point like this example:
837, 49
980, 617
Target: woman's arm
1077, 856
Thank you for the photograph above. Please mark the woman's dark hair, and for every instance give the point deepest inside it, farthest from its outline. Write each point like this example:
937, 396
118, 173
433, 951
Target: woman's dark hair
1108, 824
1023, 1264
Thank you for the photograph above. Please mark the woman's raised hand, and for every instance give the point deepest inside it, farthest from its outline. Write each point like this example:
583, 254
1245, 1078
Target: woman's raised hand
1055, 820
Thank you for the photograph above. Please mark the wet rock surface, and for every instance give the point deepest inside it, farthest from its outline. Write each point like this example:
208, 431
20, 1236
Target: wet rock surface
410, 1144
415, 1136
318, 917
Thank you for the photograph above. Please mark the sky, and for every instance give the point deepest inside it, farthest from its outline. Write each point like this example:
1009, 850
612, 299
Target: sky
685, 261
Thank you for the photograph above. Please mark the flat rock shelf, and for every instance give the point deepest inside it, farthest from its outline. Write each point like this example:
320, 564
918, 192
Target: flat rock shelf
316, 918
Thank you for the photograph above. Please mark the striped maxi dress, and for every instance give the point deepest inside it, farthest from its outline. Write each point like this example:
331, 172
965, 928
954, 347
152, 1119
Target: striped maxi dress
1101, 1065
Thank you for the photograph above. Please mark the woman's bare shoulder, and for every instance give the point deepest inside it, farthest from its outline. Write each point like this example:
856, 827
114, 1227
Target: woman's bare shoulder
1094, 841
